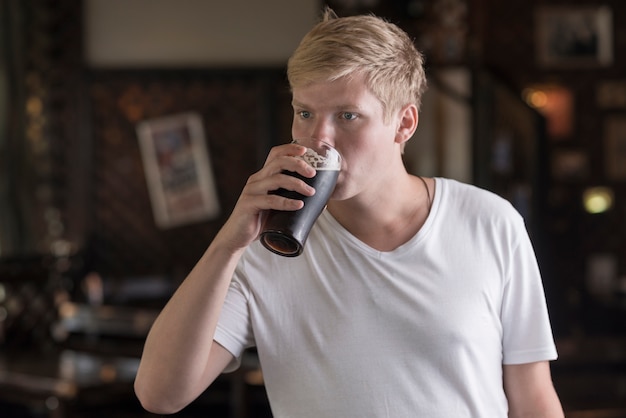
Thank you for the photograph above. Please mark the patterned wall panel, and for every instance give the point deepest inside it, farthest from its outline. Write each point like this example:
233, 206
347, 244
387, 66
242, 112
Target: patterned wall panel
240, 113
42, 43
42, 208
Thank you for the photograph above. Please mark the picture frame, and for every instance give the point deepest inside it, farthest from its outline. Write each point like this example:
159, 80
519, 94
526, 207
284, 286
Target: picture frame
573, 37
615, 147
178, 169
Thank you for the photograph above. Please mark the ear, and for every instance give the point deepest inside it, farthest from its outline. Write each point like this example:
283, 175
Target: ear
408, 119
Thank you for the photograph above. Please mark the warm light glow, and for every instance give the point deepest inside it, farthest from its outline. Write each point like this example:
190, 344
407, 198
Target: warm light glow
598, 199
536, 98
34, 106
555, 103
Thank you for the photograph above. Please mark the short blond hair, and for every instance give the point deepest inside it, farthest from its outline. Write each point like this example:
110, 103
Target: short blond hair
366, 45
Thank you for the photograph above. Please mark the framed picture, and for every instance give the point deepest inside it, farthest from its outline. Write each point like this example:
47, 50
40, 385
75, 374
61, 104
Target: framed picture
178, 170
572, 37
615, 147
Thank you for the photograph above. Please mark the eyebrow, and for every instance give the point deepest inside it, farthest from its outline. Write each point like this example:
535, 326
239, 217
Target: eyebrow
295, 103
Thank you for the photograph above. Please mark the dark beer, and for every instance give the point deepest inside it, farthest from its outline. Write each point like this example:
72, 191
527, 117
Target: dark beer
285, 232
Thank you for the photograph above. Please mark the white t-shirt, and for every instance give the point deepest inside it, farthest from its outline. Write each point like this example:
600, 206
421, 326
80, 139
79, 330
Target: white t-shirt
421, 331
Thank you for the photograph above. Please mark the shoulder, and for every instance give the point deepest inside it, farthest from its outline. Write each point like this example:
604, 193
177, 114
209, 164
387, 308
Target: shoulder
473, 199
478, 208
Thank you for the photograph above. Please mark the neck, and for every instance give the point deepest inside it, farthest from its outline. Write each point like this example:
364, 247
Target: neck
390, 218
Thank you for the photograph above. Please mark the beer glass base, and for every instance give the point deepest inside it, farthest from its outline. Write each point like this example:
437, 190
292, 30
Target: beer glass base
281, 244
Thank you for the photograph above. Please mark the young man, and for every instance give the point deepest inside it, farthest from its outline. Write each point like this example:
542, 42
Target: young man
413, 297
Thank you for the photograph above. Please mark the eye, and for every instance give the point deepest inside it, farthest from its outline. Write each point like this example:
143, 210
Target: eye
304, 114
349, 116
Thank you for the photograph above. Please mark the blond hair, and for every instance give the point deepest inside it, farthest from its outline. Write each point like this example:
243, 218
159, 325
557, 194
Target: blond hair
366, 45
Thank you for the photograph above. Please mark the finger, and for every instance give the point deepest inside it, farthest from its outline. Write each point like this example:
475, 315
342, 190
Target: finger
261, 185
282, 164
287, 157
289, 150
277, 202
253, 205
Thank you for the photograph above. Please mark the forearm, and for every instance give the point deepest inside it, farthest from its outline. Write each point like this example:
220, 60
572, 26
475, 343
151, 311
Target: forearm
175, 366
530, 391
549, 407
180, 359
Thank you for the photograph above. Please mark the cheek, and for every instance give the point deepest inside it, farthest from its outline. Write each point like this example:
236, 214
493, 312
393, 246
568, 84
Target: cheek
295, 129
355, 165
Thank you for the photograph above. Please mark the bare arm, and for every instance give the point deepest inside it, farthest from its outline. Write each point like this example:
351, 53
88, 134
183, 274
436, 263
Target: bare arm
180, 359
530, 391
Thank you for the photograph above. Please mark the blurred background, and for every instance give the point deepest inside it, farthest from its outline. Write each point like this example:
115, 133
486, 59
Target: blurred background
129, 127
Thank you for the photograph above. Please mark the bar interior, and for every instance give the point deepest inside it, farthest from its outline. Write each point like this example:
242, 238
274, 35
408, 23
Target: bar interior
527, 98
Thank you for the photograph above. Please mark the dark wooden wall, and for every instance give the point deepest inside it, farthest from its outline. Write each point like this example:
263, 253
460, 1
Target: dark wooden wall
509, 49
84, 188
242, 113
501, 38
80, 199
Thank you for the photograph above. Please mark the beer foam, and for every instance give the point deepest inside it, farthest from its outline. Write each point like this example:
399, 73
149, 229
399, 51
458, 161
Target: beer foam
319, 162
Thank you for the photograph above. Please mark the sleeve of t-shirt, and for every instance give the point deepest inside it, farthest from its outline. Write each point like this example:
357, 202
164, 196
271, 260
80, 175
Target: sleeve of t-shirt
527, 334
233, 330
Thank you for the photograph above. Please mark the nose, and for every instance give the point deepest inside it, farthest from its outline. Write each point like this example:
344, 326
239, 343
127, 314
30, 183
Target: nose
323, 130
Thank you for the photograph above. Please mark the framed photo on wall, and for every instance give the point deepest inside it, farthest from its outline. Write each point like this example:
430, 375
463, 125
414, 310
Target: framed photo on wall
178, 170
572, 36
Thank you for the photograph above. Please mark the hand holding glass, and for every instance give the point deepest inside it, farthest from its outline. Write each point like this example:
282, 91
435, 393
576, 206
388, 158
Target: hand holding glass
285, 232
